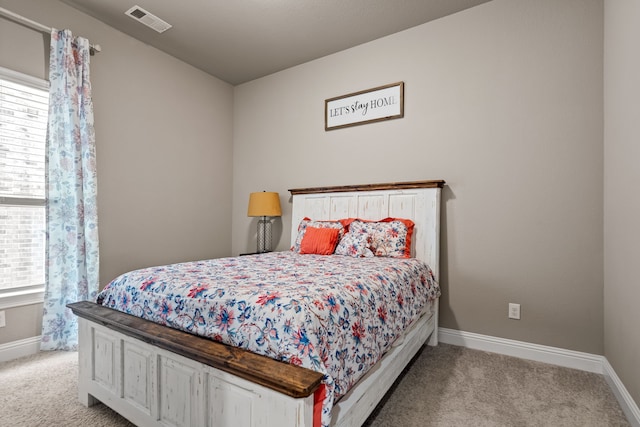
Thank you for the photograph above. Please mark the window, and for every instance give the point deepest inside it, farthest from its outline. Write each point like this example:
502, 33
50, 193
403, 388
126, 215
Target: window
23, 125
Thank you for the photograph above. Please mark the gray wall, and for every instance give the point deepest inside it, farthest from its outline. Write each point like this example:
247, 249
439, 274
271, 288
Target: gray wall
164, 146
621, 182
504, 102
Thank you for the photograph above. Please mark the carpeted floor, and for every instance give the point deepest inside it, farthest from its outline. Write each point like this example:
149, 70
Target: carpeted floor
444, 386
455, 386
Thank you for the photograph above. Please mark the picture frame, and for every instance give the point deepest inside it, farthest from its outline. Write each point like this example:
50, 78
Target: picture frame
366, 106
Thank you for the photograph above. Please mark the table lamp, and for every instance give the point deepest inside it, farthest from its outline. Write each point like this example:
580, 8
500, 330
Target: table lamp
265, 204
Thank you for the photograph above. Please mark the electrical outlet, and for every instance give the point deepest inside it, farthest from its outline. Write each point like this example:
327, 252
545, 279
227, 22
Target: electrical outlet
3, 319
514, 311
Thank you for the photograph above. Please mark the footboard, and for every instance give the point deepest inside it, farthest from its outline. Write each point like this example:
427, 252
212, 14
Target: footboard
157, 376
153, 386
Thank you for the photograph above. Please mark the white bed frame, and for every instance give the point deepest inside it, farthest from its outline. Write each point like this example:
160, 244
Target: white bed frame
143, 372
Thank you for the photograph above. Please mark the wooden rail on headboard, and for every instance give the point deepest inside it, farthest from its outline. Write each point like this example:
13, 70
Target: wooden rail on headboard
370, 187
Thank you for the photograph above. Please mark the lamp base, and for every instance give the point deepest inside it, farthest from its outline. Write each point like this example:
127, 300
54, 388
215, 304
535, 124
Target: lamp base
264, 235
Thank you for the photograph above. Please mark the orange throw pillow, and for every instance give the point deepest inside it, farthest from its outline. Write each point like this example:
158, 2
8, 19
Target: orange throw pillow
320, 241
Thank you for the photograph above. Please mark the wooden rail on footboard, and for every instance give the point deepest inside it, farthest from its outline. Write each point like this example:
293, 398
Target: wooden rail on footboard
155, 375
282, 377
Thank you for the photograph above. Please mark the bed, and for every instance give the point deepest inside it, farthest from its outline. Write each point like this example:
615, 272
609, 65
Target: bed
156, 375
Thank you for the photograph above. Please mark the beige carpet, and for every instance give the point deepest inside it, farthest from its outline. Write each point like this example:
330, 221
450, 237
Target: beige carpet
454, 386
444, 386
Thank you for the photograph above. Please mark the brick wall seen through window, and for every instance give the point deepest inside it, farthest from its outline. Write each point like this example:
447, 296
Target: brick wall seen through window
23, 126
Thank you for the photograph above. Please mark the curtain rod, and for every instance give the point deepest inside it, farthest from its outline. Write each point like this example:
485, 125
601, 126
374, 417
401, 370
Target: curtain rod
93, 48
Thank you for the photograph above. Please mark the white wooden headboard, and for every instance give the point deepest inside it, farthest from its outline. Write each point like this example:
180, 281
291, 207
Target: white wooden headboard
418, 201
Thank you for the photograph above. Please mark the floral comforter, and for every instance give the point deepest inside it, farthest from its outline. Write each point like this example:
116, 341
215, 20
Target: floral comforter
333, 314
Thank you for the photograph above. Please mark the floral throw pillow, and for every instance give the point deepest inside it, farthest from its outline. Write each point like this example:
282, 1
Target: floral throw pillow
355, 245
390, 237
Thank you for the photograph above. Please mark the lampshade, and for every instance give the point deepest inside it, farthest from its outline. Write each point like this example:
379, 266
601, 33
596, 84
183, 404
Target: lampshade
264, 204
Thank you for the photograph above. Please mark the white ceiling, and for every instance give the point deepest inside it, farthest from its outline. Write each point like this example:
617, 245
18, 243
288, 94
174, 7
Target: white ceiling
241, 40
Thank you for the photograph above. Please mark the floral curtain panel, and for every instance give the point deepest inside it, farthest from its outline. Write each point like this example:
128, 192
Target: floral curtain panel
72, 219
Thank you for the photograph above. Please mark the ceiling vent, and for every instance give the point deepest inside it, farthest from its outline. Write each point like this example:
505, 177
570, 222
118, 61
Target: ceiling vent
148, 19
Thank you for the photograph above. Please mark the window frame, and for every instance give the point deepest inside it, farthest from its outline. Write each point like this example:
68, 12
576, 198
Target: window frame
34, 294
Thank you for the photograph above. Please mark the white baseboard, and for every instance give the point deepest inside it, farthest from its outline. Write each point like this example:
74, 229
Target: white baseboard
552, 355
627, 403
20, 348
524, 350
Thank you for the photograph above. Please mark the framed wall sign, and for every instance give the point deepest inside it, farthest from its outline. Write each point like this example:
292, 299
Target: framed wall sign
367, 106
